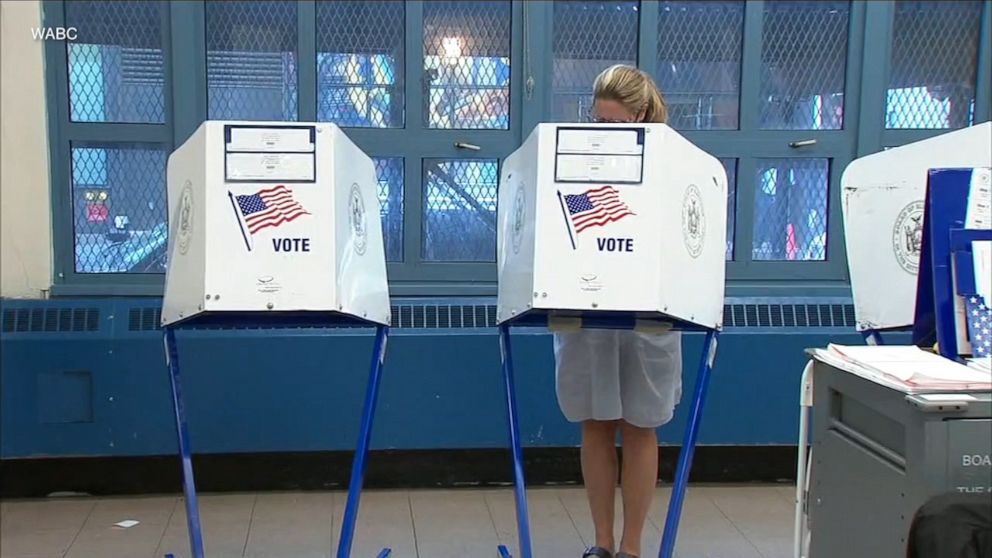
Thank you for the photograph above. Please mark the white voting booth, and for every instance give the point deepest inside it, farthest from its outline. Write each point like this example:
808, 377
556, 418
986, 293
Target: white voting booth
612, 218
278, 224
273, 217
883, 198
618, 226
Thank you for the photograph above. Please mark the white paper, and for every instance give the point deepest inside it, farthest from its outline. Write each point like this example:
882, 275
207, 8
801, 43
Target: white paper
841, 363
599, 141
960, 316
942, 397
598, 168
270, 166
979, 214
296, 140
982, 259
981, 252
911, 364
983, 364
126, 524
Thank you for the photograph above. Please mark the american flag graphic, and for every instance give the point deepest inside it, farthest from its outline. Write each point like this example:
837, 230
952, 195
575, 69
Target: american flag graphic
270, 207
596, 207
979, 325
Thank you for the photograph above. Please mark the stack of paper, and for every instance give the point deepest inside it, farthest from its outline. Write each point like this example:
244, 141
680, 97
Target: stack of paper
908, 368
983, 364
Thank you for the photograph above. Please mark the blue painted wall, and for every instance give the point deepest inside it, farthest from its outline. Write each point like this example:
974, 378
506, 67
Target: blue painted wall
106, 392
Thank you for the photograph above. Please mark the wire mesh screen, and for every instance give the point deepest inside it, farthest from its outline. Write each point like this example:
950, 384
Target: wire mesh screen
119, 208
932, 75
116, 64
699, 62
389, 172
588, 37
790, 210
251, 59
730, 165
467, 64
360, 61
460, 209
803, 62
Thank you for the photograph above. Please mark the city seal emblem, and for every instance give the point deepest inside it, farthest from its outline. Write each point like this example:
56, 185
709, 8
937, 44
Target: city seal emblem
357, 217
693, 221
519, 218
907, 237
185, 218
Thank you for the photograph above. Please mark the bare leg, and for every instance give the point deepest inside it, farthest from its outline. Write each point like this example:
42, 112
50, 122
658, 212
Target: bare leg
640, 477
599, 471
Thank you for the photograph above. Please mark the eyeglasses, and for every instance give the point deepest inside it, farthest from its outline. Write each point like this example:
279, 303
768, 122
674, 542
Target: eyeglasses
591, 117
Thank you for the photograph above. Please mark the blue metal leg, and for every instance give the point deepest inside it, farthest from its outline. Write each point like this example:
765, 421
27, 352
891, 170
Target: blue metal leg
189, 486
519, 486
362, 449
872, 337
688, 447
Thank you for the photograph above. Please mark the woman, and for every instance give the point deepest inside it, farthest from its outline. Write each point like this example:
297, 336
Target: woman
615, 381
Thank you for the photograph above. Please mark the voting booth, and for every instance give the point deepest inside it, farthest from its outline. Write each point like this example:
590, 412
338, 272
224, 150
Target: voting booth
612, 218
273, 218
618, 227
273, 224
882, 206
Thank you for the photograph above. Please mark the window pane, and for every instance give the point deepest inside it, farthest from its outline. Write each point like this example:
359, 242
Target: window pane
588, 38
790, 209
467, 64
730, 165
360, 63
803, 60
116, 67
699, 63
933, 65
119, 208
460, 209
251, 59
389, 171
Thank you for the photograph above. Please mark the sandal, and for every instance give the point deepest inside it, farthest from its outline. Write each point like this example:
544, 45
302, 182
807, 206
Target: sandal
597, 552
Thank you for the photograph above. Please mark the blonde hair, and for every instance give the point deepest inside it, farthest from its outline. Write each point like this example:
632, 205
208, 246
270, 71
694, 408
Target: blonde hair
634, 90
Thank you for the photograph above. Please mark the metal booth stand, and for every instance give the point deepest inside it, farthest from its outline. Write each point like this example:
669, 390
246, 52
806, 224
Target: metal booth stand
365, 430
605, 320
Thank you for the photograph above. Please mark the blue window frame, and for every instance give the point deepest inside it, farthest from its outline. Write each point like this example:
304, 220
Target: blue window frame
588, 37
932, 73
361, 63
408, 81
699, 62
252, 62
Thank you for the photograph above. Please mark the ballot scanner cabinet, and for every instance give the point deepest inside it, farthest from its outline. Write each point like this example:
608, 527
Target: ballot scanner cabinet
879, 454
604, 217
273, 218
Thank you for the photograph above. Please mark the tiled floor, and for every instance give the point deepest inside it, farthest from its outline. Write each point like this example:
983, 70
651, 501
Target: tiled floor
718, 521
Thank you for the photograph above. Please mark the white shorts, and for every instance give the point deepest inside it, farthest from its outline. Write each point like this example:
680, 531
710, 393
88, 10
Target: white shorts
619, 374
